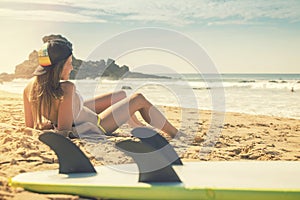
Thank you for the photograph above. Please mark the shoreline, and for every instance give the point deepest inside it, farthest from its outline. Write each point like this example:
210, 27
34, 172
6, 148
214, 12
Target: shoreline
242, 137
173, 106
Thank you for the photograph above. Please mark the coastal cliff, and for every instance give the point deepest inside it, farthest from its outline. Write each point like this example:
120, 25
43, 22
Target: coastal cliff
82, 69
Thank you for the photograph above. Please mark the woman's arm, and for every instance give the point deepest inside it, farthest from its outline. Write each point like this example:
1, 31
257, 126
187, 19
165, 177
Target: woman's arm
65, 113
27, 110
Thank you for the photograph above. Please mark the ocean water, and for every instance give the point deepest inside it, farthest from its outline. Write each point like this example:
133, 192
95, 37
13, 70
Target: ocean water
266, 94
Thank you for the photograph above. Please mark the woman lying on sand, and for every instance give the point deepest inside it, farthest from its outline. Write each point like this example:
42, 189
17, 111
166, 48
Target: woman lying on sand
50, 97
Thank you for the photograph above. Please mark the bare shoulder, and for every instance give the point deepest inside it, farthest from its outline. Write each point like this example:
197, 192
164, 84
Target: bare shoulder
67, 86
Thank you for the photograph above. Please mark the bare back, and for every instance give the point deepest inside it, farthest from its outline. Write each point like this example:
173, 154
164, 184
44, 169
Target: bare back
28, 103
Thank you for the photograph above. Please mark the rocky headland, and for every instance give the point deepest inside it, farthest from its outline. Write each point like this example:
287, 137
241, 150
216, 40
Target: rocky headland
82, 69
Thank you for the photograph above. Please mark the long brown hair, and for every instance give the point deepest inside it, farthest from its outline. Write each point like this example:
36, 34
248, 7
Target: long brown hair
46, 88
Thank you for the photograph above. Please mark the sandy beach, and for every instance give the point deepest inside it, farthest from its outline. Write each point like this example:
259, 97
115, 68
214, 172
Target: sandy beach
242, 137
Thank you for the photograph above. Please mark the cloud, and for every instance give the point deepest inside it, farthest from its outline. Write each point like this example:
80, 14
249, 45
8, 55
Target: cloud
53, 16
47, 11
174, 13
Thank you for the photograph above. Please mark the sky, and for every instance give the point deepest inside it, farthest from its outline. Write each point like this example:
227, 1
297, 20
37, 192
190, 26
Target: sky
246, 36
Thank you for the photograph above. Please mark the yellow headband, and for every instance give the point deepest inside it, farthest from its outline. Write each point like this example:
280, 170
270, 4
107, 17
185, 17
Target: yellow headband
43, 56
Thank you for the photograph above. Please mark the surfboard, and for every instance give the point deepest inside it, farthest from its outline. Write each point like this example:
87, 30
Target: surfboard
158, 173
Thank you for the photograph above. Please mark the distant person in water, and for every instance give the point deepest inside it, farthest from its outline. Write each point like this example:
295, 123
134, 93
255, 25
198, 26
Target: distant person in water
292, 90
51, 100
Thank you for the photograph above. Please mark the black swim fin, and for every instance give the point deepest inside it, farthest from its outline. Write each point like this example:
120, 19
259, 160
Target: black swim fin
71, 159
153, 166
159, 143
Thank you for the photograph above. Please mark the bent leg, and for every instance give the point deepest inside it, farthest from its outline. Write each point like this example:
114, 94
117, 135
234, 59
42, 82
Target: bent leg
102, 102
119, 113
134, 122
